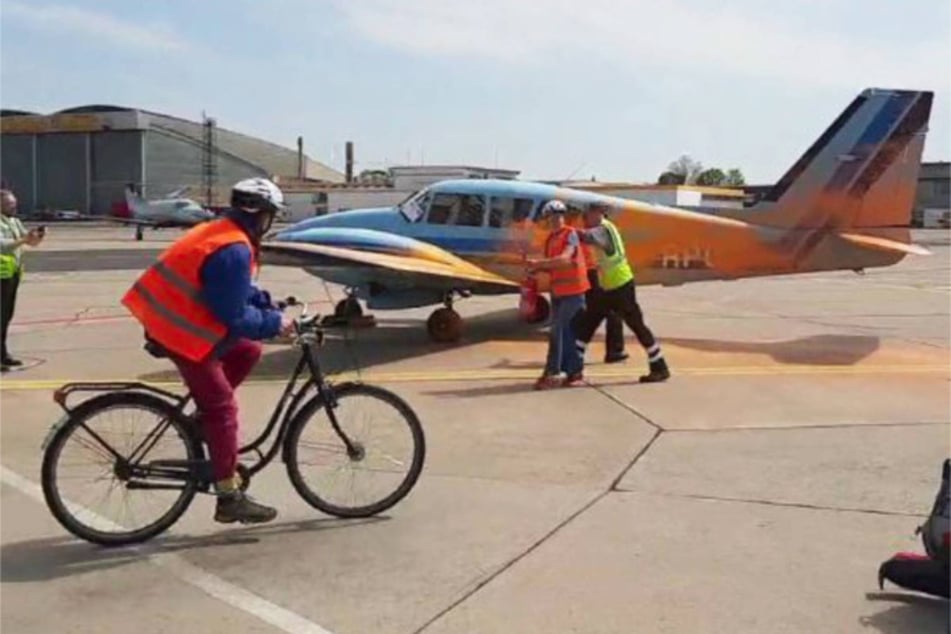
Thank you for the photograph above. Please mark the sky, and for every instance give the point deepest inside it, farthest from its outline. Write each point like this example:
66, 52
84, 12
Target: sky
558, 89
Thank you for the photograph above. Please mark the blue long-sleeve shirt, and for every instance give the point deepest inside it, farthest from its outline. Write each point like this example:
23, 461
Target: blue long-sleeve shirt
231, 296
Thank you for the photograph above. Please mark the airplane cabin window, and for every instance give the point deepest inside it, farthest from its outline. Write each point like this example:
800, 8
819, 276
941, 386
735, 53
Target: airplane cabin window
501, 213
505, 211
523, 209
471, 212
443, 207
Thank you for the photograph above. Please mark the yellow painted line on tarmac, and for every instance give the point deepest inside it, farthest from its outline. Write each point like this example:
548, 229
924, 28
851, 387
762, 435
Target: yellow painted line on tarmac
496, 374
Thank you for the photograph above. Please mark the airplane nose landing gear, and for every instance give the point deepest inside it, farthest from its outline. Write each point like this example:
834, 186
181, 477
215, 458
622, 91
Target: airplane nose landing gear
348, 308
445, 324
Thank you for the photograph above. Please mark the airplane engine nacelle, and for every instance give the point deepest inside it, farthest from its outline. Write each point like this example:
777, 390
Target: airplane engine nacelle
384, 299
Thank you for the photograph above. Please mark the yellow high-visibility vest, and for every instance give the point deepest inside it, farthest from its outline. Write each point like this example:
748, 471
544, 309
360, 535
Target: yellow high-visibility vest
614, 271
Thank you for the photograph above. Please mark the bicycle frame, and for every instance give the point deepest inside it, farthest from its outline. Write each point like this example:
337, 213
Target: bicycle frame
281, 417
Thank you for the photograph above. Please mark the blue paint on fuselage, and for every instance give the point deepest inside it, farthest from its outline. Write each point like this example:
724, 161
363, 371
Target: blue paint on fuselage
390, 227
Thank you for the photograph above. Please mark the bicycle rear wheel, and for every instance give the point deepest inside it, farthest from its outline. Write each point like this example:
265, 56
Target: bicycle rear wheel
390, 450
105, 449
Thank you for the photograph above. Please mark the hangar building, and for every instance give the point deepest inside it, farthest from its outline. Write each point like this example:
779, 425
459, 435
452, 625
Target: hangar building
83, 158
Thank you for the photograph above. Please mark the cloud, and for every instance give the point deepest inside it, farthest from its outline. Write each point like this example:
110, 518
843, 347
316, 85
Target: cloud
637, 34
102, 27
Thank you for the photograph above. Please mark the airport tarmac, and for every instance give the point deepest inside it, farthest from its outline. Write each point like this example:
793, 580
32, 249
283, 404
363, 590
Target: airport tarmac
796, 447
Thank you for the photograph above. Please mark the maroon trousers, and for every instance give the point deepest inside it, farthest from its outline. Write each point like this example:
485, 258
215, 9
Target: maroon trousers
212, 384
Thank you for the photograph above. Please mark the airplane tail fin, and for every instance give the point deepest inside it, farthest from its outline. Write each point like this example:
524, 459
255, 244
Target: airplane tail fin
131, 196
862, 172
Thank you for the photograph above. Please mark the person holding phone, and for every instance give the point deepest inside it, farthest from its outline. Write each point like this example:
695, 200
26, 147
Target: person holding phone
13, 235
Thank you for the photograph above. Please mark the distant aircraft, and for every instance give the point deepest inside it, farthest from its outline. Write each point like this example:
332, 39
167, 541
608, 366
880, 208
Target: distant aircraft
844, 205
170, 211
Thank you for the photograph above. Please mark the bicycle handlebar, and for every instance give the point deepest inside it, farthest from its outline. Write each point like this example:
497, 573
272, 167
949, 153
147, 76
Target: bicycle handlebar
305, 323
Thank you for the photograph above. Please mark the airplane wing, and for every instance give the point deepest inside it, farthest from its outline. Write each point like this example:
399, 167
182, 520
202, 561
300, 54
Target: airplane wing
420, 268
125, 221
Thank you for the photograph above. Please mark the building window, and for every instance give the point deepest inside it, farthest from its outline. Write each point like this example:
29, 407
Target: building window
505, 211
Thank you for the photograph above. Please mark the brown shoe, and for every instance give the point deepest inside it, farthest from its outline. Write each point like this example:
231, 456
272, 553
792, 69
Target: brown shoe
547, 382
574, 380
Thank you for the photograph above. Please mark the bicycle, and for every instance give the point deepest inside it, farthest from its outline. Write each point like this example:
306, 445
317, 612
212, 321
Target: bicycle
179, 477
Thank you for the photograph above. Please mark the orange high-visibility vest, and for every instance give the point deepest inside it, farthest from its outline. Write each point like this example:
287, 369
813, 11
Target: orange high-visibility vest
166, 299
571, 280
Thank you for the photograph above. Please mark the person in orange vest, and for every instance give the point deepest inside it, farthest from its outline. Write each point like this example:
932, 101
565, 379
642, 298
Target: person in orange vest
564, 261
199, 307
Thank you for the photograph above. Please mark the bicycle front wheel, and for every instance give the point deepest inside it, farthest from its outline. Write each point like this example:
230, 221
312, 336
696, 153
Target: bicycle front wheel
116, 471
386, 456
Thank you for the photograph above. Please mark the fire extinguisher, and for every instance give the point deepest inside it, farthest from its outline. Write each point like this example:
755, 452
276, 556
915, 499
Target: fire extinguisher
528, 302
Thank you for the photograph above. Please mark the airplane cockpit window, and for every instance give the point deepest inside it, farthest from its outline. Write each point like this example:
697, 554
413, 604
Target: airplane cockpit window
443, 207
414, 206
506, 211
471, 212
182, 204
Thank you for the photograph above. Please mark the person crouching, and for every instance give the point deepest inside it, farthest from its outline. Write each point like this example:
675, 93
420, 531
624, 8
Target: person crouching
564, 261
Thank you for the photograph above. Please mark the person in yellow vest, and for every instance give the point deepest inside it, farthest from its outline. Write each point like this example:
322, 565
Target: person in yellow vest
564, 262
614, 328
13, 236
199, 307
616, 279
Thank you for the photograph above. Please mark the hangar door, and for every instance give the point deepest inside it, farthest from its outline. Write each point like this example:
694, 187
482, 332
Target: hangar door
116, 162
62, 171
16, 168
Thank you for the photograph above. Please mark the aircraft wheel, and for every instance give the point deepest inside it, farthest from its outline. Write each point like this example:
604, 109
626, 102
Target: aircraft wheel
138, 233
444, 326
348, 308
542, 311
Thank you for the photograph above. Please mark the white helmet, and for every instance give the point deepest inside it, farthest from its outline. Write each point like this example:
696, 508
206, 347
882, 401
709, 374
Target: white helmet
257, 194
553, 207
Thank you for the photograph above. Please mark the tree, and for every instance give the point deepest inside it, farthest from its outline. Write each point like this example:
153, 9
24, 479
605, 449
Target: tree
734, 178
687, 168
711, 177
669, 178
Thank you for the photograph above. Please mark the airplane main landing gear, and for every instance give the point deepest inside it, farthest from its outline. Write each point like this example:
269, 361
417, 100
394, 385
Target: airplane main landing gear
542, 311
444, 325
138, 233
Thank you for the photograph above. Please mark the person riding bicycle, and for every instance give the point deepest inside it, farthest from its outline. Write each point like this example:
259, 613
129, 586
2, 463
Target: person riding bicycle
199, 307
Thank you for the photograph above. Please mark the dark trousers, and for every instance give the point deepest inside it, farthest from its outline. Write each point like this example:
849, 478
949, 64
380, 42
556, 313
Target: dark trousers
623, 302
8, 302
614, 339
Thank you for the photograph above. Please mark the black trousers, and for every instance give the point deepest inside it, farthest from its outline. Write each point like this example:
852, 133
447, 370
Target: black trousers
8, 302
622, 301
594, 298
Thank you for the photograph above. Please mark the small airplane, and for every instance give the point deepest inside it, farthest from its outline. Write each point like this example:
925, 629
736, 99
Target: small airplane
844, 205
171, 211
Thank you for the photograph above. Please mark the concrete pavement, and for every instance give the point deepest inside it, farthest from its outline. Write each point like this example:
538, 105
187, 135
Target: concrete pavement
796, 447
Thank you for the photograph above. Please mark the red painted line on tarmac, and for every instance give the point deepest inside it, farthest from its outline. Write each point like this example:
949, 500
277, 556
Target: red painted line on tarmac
97, 318
63, 320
